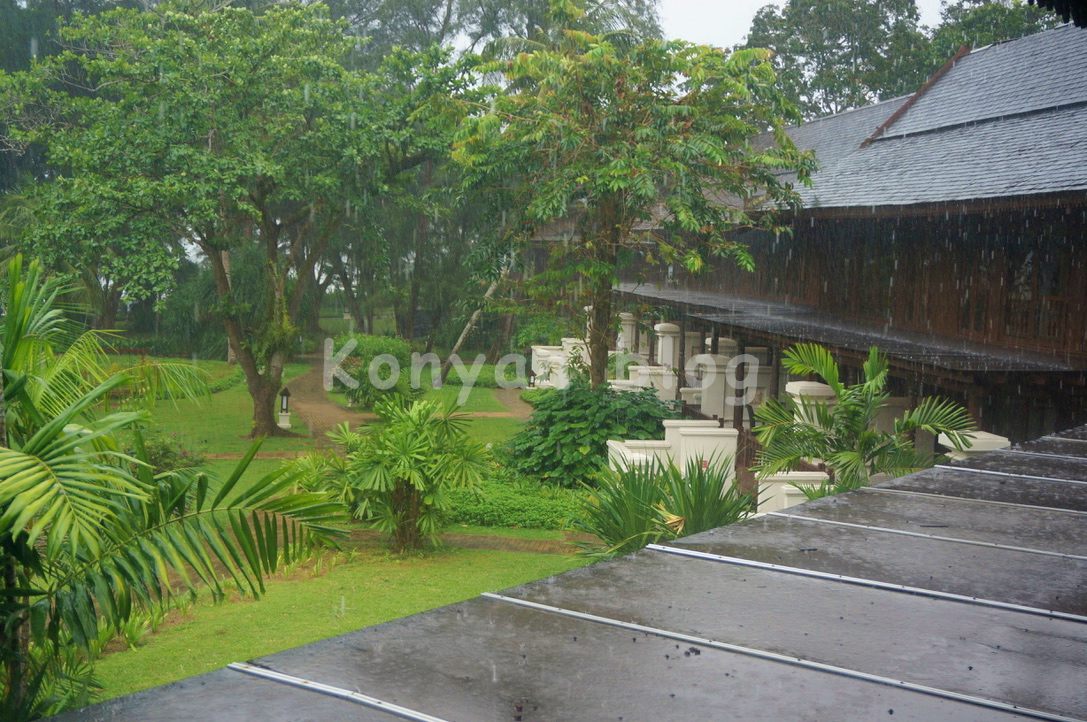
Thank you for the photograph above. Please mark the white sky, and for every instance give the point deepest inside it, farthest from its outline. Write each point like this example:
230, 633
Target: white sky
725, 22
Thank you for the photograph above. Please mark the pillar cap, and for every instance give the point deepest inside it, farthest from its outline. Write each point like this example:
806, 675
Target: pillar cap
666, 328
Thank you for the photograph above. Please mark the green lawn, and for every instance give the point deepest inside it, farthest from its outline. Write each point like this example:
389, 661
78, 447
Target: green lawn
371, 588
220, 423
494, 431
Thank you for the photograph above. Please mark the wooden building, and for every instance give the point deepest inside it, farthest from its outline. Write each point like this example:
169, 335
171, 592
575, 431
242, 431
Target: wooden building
949, 228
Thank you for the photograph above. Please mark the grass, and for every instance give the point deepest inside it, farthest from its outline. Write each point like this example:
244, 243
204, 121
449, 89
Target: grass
220, 423
508, 533
369, 588
494, 431
216, 370
479, 399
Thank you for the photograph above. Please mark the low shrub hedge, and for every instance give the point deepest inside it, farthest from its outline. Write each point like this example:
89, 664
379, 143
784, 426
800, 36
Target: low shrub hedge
505, 502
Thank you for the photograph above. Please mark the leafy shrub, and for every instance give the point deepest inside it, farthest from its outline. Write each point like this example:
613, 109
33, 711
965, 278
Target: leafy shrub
398, 475
514, 502
357, 365
647, 503
565, 441
166, 453
488, 376
235, 377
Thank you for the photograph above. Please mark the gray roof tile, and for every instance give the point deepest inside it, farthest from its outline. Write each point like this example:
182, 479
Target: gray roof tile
1007, 120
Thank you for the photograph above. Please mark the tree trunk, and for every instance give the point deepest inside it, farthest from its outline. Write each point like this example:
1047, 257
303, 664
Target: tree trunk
599, 333
472, 321
14, 640
406, 506
264, 391
109, 304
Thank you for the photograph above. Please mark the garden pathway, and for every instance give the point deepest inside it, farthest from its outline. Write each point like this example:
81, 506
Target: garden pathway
317, 414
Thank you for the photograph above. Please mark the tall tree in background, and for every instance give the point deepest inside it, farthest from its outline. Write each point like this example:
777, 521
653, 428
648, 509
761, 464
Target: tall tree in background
241, 133
614, 135
975, 23
833, 55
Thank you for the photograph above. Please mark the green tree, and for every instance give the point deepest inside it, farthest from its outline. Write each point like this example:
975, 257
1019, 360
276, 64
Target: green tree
233, 133
843, 433
615, 136
833, 55
398, 474
89, 534
975, 23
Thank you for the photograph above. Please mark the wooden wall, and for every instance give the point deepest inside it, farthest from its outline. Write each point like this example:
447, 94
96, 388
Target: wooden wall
1012, 278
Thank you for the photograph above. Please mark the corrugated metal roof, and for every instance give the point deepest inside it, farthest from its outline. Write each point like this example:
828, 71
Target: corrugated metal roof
956, 594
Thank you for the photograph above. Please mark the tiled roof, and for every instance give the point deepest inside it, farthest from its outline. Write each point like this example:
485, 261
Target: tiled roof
1004, 79
1006, 120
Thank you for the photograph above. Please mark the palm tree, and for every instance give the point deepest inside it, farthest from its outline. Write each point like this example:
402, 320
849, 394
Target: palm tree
842, 433
398, 474
88, 534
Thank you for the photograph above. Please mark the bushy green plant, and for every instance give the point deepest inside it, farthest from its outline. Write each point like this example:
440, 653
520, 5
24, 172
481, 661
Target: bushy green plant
646, 503
843, 434
89, 535
165, 453
357, 365
398, 474
565, 440
514, 502
488, 376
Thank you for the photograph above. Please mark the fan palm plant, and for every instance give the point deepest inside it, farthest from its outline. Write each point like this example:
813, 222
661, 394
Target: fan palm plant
88, 534
398, 474
842, 433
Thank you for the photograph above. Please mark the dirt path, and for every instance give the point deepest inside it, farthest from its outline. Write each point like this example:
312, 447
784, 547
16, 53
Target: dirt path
318, 414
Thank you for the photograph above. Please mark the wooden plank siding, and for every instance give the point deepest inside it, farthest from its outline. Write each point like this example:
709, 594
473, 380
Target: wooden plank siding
1013, 278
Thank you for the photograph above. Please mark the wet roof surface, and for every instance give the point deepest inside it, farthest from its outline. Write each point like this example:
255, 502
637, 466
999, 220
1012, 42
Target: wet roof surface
959, 593
799, 323
997, 124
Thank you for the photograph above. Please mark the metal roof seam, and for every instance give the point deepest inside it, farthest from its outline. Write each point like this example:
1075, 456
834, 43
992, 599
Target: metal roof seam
993, 472
922, 535
969, 500
875, 584
787, 659
345, 694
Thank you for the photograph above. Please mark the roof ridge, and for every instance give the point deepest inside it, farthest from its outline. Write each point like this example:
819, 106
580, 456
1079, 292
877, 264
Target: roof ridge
981, 121
961, 53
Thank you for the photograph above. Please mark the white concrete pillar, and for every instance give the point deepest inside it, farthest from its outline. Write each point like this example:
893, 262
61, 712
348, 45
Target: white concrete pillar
780, 491
811, 392
627, 324
714, 382
980, 442
667, 344
660, 378
701, 445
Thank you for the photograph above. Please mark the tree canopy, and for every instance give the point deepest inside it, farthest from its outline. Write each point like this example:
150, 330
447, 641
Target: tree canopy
619, 138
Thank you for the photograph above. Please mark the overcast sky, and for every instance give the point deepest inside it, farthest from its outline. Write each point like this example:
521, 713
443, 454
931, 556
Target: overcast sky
726, 22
